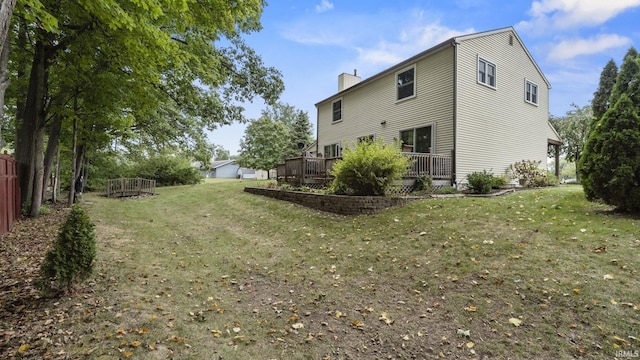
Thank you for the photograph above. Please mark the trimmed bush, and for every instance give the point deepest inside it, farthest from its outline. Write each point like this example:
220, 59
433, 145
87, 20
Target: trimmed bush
529, 173
73, 254
370, 168
480, 182
498, 182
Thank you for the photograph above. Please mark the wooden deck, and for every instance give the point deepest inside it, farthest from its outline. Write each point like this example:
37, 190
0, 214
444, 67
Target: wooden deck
309, 170
130, 187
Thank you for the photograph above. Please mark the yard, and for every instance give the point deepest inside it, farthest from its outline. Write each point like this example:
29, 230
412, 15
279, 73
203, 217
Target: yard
212, 272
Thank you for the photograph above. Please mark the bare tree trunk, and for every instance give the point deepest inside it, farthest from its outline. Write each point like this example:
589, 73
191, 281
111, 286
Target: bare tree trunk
55, 188
72, 190
52, 146
4, 80
38, 179
30, 135
6, 10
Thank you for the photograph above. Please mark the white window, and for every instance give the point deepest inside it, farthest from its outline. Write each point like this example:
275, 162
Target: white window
406, 83
369, 138
530, 92
331, 151
417, 140
486, 72
336, 108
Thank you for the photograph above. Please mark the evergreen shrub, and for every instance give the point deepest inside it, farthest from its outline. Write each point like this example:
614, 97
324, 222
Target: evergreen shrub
73, 254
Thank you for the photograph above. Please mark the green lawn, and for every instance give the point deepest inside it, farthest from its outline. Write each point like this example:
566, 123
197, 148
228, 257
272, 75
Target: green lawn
209, 271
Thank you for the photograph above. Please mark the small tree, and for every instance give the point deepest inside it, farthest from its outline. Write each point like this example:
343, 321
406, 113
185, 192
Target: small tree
73, 254
610, 166
370, 168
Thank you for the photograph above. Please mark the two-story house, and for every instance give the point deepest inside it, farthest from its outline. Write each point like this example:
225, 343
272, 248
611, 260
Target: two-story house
477, 102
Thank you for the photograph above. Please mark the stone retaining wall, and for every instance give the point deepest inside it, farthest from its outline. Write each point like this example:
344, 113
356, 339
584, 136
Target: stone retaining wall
339, 204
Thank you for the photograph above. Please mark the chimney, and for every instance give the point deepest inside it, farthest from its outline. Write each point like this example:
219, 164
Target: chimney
346, 81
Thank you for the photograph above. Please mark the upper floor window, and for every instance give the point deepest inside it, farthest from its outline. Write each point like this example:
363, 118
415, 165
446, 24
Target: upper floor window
336, 107
530, 92
486, 72
406, 83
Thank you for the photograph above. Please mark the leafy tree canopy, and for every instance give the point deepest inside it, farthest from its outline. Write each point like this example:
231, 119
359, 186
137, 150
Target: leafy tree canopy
573, 129
263, 144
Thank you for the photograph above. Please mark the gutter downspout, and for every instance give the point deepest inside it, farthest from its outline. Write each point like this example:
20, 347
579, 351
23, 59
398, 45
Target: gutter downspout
318, 132
455, 44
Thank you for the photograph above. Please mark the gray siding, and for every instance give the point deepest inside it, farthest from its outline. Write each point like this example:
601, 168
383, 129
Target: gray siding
364, 108
228, 171
497, 127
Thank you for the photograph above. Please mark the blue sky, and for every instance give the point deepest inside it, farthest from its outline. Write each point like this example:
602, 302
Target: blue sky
313, 41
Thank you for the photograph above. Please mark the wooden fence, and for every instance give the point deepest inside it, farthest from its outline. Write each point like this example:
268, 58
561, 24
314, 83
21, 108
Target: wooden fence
9, 193
130, 187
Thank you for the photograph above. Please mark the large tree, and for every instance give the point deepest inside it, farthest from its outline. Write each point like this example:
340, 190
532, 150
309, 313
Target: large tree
297, 123
148, 72
573, 128
263, 144
600, 103
6, 10
610, 165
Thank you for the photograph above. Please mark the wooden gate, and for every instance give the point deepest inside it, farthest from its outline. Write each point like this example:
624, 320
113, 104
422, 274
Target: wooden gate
9, 193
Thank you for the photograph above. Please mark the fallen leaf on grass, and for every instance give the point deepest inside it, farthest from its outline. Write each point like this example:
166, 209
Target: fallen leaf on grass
23, 347
177, 339
465, 333
357, 324
135, 343
471, 308
383, 317
515, 321
297, 326
608, 276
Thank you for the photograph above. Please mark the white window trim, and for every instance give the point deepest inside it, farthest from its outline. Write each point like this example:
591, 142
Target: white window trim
341, 111
415, 80
433, 135
527, 81
495, 72
373, 137
338, 148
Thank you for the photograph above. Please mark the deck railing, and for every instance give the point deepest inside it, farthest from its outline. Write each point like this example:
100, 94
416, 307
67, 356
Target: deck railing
130, 187
436, 166
308, 170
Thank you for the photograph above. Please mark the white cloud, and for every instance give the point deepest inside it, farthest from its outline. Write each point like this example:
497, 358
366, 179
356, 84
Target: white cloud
411, 41
571, 48
324, 5
566, 14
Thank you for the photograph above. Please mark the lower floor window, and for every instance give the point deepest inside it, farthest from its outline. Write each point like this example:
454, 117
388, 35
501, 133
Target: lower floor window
368, 138
418, 140
332, 150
